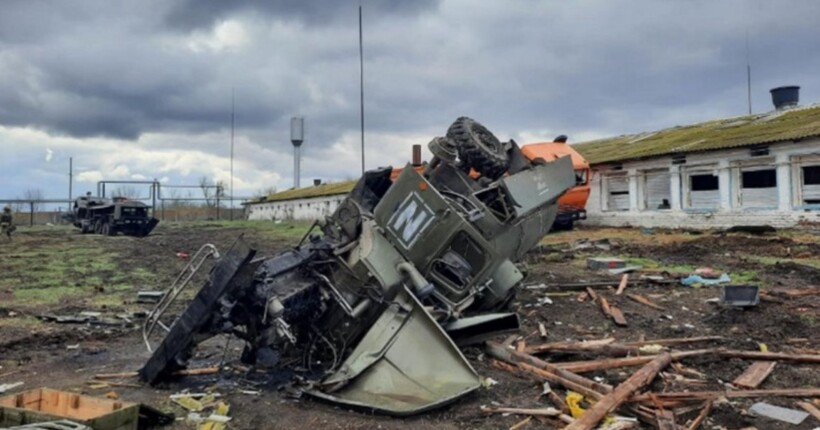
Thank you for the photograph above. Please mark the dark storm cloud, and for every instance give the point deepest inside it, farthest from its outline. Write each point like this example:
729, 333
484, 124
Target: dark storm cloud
191, 14
126, 68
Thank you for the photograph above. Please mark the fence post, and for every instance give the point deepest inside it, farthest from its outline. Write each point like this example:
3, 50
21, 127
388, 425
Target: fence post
31, 214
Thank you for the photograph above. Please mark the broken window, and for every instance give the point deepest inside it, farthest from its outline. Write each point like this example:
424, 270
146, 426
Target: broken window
657, 194
810, 186
758, 187
704, 191
618, 193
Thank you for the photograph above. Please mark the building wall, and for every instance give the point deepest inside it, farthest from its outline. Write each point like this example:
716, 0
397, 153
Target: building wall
299, 209
744, 194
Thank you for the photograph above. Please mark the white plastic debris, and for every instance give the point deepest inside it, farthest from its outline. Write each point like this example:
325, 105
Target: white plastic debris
689, 326
9, 386
546, 389
488, 382
544, 301
790, 416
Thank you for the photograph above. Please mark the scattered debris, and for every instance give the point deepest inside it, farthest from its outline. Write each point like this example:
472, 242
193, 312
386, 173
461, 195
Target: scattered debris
694, 280
790, 416
598, 263
623, 270
52, 425
149, 296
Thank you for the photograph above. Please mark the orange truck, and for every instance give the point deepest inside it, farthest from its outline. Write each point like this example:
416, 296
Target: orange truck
572, 205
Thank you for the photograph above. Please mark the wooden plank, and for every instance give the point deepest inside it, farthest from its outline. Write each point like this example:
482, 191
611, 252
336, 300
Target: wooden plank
729, 394
614, 363
707, 407
618, 316
622, 285
644, 301
666, 419
780, 356
620, 394
499, 352
808, 407
755, 374
568, 346
674, 341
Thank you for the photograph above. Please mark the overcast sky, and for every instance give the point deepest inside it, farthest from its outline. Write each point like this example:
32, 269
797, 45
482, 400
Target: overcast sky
141, 89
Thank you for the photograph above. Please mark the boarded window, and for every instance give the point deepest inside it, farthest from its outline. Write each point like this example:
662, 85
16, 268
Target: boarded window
704, 191
657, 193
811, 185
758, 188
618, 193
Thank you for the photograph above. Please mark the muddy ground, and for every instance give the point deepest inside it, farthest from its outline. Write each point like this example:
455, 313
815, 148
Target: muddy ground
55, 271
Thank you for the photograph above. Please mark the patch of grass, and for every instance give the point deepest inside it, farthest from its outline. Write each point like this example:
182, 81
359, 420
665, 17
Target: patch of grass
745, 277
52, 295
25, 321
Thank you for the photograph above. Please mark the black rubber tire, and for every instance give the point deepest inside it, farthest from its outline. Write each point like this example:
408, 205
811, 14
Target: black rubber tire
98, 227
478, 148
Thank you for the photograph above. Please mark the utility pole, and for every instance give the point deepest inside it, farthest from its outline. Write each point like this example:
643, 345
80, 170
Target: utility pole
70, 180
748, 73
233, 110
361, 82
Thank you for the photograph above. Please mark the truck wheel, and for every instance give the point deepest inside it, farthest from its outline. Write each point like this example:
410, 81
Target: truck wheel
105, 230
479, 148
98, 227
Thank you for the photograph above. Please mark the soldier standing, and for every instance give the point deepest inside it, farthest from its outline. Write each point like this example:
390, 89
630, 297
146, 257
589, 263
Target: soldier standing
6, 222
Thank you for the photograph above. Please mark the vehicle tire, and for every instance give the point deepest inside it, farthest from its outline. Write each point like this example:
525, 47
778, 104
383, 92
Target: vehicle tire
478, 148
98, 227
107, 230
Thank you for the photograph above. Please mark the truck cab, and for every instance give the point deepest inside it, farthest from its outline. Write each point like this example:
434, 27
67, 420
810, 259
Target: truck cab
572, 205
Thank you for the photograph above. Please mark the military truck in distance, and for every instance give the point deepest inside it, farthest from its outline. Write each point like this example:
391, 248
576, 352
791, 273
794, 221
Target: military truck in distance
111, 216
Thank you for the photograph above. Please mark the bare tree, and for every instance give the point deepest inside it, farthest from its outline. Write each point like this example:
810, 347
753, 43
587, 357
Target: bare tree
34, 194
126, 191
208, 191
264, 192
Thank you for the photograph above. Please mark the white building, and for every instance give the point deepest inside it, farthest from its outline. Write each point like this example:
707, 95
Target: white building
310, 203
761, 169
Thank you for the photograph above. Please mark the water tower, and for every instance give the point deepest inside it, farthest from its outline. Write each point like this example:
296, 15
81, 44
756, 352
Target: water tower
297, 136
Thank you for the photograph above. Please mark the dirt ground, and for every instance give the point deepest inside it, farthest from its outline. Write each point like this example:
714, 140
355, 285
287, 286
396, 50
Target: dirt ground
56, 271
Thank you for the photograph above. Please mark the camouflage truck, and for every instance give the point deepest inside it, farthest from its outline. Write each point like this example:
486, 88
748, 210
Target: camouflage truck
111, 216
370, 308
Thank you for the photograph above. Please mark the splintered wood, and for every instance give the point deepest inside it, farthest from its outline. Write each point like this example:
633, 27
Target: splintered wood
619, 395
622, 285
755, 374
612, 311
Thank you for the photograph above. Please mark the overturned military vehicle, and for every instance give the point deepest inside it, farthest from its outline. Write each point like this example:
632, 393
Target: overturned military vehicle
372, 302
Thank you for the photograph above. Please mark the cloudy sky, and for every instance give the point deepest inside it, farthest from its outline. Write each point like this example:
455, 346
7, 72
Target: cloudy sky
142, 89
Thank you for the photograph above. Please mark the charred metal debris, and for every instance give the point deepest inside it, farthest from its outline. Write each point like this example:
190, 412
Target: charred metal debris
371, 303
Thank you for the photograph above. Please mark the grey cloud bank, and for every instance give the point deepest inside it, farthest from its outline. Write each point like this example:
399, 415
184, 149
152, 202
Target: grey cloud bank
147, 84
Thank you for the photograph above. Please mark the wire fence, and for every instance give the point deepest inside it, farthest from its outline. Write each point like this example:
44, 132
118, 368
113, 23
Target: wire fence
54, 211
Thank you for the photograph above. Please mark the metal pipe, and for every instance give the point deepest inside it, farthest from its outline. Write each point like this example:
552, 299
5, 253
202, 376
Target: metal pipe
421, 288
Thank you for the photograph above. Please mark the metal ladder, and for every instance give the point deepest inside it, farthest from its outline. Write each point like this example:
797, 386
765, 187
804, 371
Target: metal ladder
182, 280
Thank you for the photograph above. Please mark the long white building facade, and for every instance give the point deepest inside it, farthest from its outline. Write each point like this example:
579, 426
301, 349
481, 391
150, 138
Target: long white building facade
753, 170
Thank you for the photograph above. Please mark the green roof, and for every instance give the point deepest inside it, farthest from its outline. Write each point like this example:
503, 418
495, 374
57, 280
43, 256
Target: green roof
749, 130
308, 192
